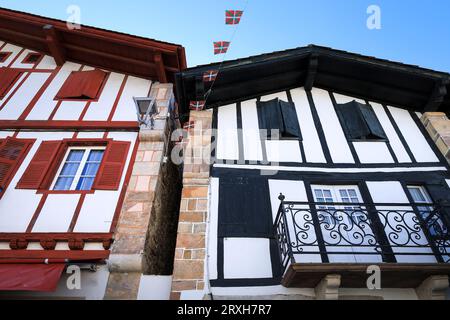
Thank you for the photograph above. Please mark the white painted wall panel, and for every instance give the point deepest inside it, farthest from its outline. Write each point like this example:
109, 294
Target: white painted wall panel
373, 152
247, 258
90, 135
135, 87
100, 110
57, 213
213, 227
394, 140
413, 136
10, 48
341, 99
70, 110
47, 62
227, 134
311, 141
18, 103
250, 131
280, 95
46, 103
336, 140
283, 151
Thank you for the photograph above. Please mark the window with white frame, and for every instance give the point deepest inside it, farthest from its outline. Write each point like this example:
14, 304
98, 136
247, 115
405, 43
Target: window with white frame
335, 213
79, 168
420, 195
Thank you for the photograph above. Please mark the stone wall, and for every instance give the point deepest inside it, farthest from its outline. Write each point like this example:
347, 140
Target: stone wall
143, 207
438, 126
190, 252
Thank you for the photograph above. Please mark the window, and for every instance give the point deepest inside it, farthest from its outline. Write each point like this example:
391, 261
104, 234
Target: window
82, 85
32, 58
4, 56
8, 76
79, 169
76, 165
337, 214
360, 122
420, 195
279, 115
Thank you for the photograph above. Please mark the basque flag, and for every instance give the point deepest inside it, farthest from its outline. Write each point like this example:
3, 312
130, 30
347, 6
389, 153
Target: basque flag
233, 16
197, 105
221, 47
210, 76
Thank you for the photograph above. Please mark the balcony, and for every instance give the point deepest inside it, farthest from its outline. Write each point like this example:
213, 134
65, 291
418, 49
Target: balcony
408, 242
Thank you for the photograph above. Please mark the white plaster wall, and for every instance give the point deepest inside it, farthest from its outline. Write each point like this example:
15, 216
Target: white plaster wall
70, 110
394, 140
336, 140
10, 92
46, 104
154, 287
17, 104
283, 151
250, 131
18, 63
47, 62
413, 136
227, 134
5, 134
57, 213
247, 258
135, 87
373, 152
212, 228
311, 141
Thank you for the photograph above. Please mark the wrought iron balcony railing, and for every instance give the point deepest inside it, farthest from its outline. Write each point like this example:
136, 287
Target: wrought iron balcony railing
361, 233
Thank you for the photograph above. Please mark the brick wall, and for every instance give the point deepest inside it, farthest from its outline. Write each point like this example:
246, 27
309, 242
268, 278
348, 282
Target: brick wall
438, 126
190, 252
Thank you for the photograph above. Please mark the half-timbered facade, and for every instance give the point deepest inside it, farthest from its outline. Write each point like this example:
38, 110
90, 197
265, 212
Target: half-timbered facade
321, 167
75, 163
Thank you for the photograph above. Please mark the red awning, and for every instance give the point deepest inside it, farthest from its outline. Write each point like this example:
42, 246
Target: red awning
30, 277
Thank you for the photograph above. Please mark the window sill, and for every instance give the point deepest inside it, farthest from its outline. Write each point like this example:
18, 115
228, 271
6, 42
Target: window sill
65, 192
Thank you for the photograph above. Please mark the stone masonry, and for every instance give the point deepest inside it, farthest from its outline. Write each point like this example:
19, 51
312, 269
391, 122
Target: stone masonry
438, 126
190, 252
126, 263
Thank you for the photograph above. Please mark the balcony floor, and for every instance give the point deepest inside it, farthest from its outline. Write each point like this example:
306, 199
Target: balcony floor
393, 275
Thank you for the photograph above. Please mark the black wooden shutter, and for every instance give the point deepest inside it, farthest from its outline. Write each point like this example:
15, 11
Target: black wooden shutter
351, 120
269, 115
372, 121
244, 208
290, 119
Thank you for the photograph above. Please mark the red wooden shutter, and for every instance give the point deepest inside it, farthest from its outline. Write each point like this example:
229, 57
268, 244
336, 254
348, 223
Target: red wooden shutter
82, 85
7, 78
110, 172
12, 151
39, 166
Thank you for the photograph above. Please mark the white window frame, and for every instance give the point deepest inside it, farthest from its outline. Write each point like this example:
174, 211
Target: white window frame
336, 195
76, 179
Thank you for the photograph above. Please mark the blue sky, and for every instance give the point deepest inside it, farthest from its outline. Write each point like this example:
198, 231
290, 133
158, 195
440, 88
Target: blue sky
413, 31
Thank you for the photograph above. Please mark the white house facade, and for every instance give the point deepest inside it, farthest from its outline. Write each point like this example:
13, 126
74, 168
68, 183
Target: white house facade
70, 142
321, 168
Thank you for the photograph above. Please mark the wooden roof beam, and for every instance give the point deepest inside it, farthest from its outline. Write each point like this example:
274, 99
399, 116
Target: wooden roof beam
437, 96
160, 69
312, 71
54, 44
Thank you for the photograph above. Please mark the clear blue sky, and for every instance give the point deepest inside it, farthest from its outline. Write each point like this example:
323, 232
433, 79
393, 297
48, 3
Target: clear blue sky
413, 31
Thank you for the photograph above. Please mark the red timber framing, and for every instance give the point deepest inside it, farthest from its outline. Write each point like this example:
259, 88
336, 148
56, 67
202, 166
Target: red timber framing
119, 52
